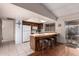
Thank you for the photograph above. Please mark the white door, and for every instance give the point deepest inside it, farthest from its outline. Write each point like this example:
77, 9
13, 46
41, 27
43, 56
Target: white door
26, 33
8, 30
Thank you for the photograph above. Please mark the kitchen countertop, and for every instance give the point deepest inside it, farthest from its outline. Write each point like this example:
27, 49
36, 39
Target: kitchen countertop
44, 34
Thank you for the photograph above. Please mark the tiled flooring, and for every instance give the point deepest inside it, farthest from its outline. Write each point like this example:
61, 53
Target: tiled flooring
10, 49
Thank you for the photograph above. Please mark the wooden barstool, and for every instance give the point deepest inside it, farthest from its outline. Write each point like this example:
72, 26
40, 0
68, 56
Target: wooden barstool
51, 42
44, 44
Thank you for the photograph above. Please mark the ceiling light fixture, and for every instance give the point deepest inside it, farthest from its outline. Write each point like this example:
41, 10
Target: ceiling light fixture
42, 20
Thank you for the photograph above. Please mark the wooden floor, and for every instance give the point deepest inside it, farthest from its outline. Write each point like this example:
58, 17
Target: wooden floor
59, 50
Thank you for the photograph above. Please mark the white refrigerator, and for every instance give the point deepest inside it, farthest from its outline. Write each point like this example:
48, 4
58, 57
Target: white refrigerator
26, 33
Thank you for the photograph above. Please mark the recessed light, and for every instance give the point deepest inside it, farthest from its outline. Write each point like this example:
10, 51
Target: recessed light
42, 20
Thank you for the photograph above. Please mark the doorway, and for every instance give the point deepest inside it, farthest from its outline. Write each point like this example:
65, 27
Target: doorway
8, 32
72, 33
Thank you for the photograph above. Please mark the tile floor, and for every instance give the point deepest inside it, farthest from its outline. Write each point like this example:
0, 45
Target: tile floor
10, 49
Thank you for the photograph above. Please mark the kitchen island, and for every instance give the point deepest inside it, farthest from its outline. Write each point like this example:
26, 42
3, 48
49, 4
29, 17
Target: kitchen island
35, 38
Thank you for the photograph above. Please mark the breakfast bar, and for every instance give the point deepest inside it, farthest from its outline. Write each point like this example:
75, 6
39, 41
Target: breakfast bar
35, 38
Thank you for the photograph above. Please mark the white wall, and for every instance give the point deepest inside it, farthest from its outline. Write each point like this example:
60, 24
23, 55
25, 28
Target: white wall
12, 11
18, 32
60, 30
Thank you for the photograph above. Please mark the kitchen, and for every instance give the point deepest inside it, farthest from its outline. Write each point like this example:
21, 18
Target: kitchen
32, 29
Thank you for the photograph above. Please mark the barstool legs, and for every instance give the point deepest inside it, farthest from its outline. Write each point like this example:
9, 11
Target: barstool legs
47, 43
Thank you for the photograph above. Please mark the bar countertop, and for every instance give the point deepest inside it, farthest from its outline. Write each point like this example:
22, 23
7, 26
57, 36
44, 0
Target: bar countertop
44, 34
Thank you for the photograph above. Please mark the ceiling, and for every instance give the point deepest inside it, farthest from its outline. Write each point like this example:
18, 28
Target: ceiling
63, 9
51, 10
73, 22
8, 10
48, 12
37, 8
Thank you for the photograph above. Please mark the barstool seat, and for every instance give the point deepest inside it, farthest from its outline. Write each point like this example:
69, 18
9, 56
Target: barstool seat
43, 44
47, 43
